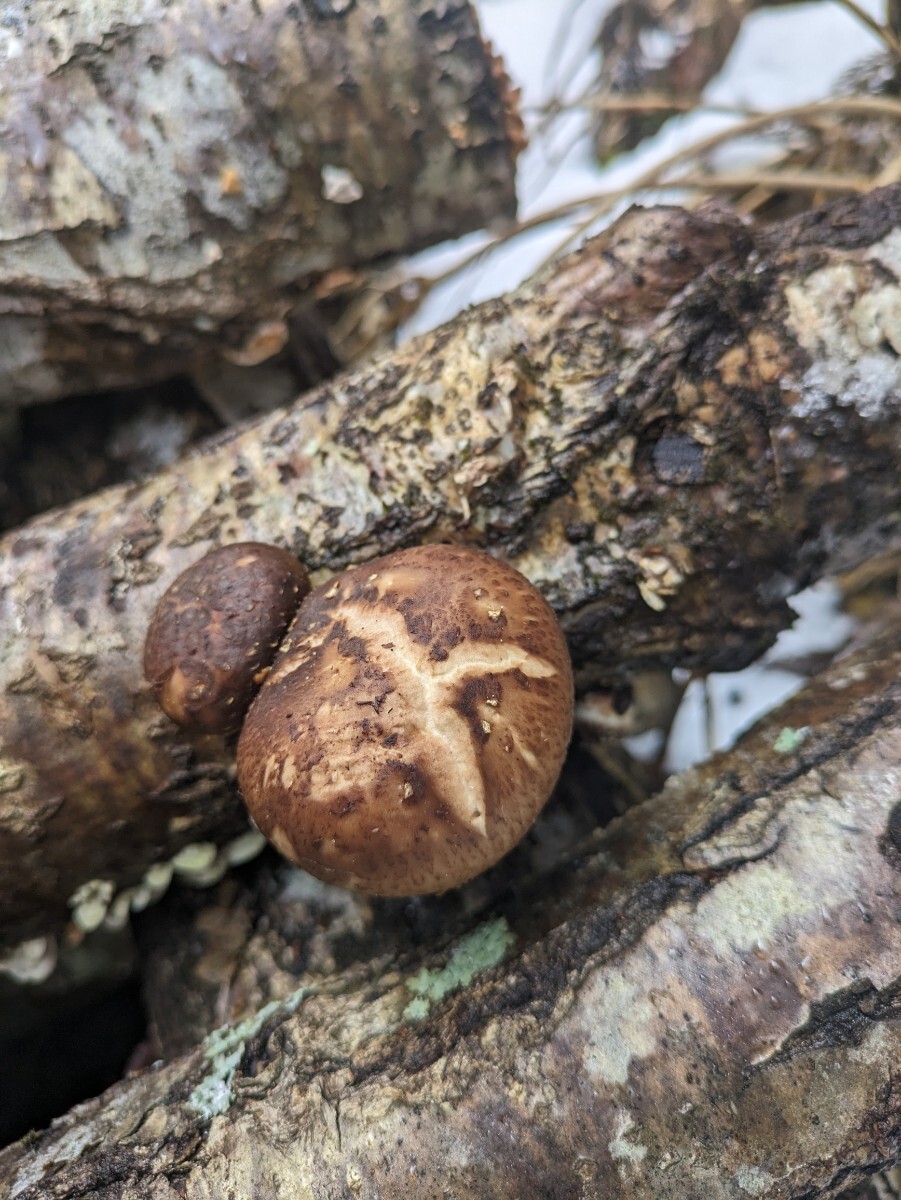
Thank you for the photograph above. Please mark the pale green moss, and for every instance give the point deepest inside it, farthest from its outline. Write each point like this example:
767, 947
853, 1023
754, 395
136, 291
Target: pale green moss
223, 1050
479, 950
790, 739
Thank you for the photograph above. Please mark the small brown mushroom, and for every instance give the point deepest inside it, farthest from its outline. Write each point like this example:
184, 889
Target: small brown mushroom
216, 631
413, 724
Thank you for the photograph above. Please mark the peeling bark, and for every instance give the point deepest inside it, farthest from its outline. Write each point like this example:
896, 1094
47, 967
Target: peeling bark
176, 175
668, 433
706, 1001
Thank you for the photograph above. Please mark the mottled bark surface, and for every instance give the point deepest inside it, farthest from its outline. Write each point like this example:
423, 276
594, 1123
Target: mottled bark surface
668, 433
704, 1002
175, 175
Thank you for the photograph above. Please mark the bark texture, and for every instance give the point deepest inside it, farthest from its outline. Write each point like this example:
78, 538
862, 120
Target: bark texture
705, 1002
668, 433
175, 176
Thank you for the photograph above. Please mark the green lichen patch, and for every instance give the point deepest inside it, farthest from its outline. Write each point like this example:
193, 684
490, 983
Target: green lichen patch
223, 1050
479, 950
789, 739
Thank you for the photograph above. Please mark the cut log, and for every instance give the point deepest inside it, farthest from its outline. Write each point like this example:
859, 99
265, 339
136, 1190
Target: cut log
176, 175
56, 453
669, 433
706, 1001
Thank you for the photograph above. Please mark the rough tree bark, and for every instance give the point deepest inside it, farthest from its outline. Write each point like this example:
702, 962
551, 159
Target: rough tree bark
705, 1002
668, 433
177, 174
210, 957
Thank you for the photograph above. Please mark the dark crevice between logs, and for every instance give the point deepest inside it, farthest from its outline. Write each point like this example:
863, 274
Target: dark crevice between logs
60, 1050
52, 454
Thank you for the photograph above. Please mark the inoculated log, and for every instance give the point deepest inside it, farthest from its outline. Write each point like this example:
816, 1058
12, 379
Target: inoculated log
668, 433
705, 1001
177, 175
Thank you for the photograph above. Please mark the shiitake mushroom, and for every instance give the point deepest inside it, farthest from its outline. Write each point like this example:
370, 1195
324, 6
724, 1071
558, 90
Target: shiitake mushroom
414, 719
413, 724
217, 629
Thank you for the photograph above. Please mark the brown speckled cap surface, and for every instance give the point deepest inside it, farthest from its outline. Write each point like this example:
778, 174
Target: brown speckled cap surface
216, 630
414, 722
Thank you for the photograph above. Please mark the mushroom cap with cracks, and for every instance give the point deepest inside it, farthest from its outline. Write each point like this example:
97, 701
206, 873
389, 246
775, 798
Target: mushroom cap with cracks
413, 724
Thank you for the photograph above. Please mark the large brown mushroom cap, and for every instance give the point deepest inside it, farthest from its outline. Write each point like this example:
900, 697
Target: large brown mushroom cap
413, 725
217, 629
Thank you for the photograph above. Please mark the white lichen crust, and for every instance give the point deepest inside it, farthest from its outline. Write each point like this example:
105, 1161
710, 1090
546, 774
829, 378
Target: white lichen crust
413, 725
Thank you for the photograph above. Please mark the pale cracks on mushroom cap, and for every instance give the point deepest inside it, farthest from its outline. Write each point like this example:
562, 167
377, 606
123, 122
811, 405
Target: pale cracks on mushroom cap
413, 724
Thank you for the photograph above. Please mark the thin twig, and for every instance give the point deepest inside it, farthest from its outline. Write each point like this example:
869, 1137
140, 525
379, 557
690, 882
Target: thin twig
554, 59
890, 173
656, 177
784, 181
709, 717
882, 31
651, 102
